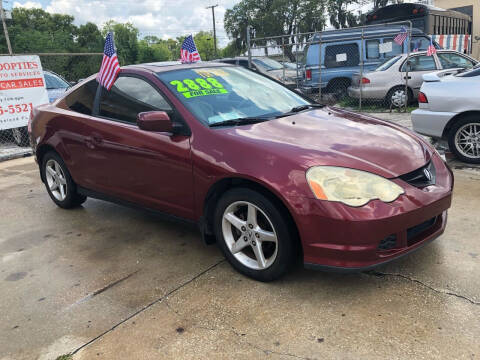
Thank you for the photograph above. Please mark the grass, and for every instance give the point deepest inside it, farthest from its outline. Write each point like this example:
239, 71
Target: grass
65, 357
353, 104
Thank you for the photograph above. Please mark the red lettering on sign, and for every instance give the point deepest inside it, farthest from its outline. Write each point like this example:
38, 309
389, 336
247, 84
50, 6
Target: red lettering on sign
21, 84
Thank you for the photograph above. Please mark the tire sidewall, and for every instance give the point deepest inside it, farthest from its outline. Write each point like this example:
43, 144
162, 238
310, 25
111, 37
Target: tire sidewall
451, 137
285, 244
71, 199
392, 91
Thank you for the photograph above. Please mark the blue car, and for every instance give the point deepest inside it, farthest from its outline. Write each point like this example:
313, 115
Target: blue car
342, 55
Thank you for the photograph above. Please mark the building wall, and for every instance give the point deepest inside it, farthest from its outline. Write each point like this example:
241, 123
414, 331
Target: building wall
449, 4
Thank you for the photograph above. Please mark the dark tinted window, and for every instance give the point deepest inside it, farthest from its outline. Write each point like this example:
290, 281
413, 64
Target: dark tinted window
128, 97
243, 63
81, 100
341, 55
472, 73
54, 82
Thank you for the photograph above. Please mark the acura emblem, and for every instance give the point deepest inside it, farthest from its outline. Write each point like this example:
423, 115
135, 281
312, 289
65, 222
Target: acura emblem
427, 174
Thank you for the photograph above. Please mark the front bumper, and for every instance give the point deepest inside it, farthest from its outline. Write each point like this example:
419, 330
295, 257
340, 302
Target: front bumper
430, 123
338, 237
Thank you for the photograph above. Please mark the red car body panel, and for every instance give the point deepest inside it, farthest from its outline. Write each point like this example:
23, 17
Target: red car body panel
174, 174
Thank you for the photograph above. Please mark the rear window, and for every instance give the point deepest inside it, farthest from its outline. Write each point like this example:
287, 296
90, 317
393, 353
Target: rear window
81, 100
388, 64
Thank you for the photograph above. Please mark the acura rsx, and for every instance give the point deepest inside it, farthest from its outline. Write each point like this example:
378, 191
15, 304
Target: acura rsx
267, 174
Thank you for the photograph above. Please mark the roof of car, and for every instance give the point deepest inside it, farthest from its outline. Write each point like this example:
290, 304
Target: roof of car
174, 65
368, 31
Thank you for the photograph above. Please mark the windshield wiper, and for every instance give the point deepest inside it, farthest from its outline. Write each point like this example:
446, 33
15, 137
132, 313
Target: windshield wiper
305, 107
241, 121
299, 108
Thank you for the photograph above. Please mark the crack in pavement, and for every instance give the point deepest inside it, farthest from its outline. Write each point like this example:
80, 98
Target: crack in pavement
148, 306
236, 333
405, 277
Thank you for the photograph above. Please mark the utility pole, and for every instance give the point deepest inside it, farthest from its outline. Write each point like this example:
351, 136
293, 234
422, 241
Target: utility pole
214, 33
5, 28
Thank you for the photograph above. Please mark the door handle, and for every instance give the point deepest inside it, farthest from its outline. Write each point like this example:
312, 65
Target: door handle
407, 77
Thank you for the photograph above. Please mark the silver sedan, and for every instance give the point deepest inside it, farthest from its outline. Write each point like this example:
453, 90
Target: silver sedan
387, 82
450, 110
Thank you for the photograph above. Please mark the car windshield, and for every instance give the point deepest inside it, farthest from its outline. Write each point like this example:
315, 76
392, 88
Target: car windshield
388, 64
55, 82
268, 64
219, 94
475, 71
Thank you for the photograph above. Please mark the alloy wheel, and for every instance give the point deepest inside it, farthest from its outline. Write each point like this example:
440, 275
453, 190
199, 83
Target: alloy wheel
467, 140
56, 181
249, 235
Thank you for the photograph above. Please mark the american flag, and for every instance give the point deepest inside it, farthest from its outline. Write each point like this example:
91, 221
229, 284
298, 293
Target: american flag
110, 65
402, 36
189, 52
431, 48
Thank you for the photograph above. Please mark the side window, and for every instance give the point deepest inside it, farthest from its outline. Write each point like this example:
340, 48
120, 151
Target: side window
419, 43
128, 97
81, 100
396, 49
452, 60
373, 51
342, 55
420, 63
243, 63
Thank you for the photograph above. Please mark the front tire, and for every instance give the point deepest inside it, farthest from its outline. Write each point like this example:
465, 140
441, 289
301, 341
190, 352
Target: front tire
464, 139
59, 183
253, 235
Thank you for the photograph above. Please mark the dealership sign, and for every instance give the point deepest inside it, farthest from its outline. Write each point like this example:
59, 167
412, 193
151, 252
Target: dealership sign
22, 86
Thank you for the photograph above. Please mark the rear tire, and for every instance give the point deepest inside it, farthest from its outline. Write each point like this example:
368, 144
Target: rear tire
253, 235
396, 97
20, 136
59, 183
464, 139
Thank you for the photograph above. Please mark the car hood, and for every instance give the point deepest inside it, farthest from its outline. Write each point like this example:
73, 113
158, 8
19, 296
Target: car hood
335, 137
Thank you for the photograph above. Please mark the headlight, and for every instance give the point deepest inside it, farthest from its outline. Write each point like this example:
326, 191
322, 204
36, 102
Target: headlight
349, 186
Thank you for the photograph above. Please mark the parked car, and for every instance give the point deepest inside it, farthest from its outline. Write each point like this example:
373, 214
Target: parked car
56, 86
344, 50
289, 65
262, 170
388, 81
450, 110
267, 66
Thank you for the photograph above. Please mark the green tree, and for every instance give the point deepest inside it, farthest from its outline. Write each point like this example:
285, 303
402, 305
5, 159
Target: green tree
125, 37
339, 14
205, 45
273, 18
149, 51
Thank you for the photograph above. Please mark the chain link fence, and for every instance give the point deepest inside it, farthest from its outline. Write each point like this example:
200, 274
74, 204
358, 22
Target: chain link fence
61, 71
337, 67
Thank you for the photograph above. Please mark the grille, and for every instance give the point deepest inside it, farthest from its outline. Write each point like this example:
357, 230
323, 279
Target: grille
388, 243
418, 229
425, 176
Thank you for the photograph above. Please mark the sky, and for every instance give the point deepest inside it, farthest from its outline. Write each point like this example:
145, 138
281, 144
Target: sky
162, 18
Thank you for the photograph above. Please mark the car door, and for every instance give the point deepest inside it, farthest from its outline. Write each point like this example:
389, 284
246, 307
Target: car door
418, 65
151, 169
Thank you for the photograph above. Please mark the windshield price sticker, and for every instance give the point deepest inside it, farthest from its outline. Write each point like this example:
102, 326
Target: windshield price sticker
199, 87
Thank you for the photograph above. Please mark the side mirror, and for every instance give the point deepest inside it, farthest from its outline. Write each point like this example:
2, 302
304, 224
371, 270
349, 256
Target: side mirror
158, 121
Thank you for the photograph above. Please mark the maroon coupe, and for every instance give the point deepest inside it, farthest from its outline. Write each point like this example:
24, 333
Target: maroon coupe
267, 174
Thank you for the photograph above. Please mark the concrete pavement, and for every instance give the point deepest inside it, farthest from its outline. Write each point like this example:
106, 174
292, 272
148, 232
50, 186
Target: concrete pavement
108, 282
